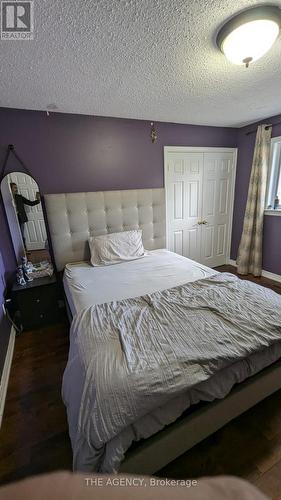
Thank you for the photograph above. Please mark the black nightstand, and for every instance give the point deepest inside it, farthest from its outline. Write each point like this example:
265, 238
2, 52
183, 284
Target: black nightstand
37, 302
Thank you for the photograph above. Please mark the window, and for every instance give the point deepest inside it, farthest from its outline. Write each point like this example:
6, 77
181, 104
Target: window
274, 181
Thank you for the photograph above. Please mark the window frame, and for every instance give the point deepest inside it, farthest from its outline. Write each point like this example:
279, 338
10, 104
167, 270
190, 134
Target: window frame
274, 176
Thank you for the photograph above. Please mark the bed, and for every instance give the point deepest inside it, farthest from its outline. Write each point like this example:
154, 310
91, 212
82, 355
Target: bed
171, 421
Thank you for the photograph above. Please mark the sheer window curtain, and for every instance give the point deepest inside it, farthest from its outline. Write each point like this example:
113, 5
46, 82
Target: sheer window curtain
249, 258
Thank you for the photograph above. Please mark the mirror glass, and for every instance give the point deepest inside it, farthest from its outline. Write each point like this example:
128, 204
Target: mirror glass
25, 217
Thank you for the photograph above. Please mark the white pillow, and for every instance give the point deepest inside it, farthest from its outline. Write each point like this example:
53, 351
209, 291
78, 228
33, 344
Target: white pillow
116, 247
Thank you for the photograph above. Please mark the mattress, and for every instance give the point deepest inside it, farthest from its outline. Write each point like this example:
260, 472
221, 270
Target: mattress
86, 285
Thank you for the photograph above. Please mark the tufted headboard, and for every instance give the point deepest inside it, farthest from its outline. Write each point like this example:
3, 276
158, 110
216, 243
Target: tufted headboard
74, 217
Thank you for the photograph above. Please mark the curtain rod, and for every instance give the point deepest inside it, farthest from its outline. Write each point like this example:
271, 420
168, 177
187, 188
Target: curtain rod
267, 127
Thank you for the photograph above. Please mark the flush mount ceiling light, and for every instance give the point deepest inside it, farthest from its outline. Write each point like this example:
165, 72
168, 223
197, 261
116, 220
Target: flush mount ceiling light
249, 35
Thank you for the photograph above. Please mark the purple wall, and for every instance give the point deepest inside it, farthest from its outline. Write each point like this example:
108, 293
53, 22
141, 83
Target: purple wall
2, 284
67, 153
5, 328
7, 266
272, 224
6, 248
78, 153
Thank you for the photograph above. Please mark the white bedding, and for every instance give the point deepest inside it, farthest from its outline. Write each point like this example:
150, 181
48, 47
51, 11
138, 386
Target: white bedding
86, 285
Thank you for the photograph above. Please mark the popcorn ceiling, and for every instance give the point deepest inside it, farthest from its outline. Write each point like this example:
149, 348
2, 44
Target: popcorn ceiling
153, 60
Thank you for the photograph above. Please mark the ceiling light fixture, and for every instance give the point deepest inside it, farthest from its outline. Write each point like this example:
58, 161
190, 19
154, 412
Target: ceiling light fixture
249, 35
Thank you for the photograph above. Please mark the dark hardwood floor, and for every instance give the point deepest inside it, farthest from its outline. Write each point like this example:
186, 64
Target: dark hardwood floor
34, 437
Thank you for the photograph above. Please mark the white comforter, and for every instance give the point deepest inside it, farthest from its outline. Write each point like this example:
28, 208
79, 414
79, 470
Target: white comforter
127, 362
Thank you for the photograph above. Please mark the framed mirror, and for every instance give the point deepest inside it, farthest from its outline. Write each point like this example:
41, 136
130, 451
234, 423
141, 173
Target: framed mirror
22, 201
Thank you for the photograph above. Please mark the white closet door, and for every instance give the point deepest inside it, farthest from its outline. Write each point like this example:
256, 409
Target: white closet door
199, 202
217, 208
184, 175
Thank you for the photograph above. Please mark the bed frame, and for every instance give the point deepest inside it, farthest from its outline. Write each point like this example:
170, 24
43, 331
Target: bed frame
72, 218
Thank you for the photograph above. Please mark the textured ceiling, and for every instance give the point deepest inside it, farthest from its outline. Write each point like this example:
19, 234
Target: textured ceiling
145, 59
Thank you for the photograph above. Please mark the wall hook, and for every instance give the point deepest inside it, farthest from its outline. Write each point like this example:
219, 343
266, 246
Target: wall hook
153, 133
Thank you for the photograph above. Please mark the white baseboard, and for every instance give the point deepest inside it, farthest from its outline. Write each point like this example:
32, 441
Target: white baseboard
266, 274
6, 372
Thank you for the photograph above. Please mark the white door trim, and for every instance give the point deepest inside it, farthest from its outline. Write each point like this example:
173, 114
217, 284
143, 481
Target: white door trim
192, 149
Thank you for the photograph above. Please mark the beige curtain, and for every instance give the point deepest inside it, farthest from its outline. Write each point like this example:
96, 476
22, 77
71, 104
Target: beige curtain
249, 258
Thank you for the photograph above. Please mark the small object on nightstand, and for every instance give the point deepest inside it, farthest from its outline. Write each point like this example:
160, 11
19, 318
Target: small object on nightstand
20, 277
37, 302
27, 269
26, 273
42, 269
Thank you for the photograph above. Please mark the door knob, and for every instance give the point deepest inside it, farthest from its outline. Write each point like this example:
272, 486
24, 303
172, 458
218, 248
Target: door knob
202, 222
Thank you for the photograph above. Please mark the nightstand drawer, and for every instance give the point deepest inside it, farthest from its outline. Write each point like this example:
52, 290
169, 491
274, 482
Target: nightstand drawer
36, 314
37, 298
38, 305
38, 318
